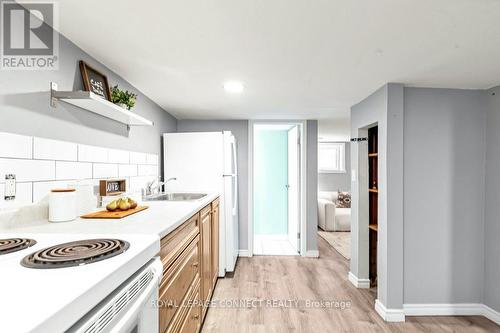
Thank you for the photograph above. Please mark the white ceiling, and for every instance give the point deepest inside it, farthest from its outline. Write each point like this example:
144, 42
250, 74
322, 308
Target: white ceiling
297, 58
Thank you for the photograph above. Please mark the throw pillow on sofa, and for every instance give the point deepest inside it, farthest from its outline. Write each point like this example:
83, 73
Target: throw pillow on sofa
343, 200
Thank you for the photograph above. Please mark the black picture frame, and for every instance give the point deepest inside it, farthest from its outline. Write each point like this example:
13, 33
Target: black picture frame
95, 81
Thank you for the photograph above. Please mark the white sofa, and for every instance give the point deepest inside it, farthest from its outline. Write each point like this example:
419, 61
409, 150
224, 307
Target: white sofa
331, 218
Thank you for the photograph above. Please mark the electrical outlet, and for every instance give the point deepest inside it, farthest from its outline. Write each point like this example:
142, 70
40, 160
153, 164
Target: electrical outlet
10, 187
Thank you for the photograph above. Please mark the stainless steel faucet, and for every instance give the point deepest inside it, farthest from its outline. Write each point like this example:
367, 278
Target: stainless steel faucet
166, 181
151, 189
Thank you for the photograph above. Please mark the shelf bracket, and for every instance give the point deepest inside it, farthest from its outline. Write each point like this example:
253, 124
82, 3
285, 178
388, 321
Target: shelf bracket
53, 99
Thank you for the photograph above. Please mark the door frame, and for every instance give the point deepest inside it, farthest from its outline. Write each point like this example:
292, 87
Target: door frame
293, 191
302, 124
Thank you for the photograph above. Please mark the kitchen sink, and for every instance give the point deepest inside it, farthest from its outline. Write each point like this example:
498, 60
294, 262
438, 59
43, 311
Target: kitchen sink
176, 197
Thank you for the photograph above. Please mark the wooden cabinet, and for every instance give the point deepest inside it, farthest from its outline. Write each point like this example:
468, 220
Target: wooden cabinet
190, 318
215, 241
173, 244
177, 281
190, 257
206, 255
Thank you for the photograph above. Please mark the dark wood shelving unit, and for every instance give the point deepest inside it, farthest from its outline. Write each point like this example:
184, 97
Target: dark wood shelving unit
373, 202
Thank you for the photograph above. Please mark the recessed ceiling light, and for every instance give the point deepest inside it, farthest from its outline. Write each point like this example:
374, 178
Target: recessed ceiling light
234, 87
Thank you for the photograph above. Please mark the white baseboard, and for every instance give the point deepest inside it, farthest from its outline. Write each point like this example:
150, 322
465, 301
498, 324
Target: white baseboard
491, 314
243, 253
390, 315
358, 283
312, 254
460, 309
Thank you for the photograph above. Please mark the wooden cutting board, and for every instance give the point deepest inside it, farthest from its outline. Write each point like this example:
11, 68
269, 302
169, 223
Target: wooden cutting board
118, 214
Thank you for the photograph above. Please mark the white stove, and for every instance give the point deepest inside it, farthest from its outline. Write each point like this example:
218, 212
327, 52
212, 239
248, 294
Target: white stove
43, 295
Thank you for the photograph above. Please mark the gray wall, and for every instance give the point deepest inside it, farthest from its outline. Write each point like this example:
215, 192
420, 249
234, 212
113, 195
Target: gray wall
492, 207
383, 108
24, 100
239, 128
444, 156
312, 185
337, 181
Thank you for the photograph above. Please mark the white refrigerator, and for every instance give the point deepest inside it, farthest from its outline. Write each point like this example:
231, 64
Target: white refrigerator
206, 162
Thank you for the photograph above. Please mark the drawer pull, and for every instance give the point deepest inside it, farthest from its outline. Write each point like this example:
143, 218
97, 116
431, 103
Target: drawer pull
196, 316
195, 264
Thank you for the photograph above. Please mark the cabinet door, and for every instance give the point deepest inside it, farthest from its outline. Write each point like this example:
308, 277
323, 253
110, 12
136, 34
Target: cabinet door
206, 256
215, 242
176, 282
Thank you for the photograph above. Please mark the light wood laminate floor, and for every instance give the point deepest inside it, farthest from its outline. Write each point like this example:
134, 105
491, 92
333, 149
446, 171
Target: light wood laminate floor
282, 278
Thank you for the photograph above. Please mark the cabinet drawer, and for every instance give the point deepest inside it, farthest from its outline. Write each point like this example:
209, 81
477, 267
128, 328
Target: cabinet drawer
192, 321
174, 243
188, 318
176, 283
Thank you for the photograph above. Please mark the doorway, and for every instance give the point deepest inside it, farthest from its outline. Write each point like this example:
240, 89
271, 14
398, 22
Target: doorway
276, 184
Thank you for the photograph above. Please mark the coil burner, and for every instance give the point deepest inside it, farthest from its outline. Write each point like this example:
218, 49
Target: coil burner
10, 245
75, 253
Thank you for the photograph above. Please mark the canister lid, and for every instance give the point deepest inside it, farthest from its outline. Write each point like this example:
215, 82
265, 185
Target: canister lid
62, 190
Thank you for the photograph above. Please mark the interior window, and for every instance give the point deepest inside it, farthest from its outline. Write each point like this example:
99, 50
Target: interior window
331, 157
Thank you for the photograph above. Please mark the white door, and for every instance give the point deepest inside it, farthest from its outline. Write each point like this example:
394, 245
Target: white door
293, 186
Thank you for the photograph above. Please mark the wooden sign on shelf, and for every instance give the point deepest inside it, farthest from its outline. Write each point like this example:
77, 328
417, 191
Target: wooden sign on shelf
95, 81
112, 187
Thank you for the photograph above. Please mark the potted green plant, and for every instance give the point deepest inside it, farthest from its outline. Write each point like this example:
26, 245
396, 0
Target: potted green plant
123, 98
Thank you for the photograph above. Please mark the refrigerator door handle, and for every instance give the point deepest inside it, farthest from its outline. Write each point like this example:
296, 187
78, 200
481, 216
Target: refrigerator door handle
235, 162
235, 175
235, 190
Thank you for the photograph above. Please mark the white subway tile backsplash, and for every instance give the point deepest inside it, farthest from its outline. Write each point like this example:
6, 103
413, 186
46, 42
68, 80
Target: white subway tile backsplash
15, 146
152, 159
105, 170
42, 189
136, 184
73, 170
137, 158
27, 170
147, 170
47, 149
127, 170
118, 156
43, 164
92, 154
24, 195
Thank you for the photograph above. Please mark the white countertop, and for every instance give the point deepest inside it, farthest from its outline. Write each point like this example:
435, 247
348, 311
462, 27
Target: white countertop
63, 302
160, 218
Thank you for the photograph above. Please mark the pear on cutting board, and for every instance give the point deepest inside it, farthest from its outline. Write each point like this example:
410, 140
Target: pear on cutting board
112, 206
132, 203
124, 205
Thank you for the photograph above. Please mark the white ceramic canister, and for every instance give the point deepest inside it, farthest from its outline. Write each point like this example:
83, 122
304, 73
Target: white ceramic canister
62, 205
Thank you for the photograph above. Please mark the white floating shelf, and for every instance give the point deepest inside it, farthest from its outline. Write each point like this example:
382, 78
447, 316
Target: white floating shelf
91, 102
